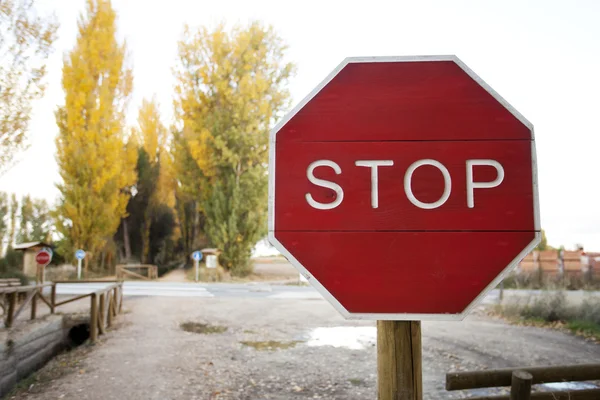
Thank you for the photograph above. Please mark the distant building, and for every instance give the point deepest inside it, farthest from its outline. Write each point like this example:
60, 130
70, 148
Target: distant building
29, 251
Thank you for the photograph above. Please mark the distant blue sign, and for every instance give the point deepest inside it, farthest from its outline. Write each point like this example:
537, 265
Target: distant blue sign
197, 255
80, 254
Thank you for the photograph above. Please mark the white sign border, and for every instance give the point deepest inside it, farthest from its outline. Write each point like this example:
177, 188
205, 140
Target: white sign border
313, 281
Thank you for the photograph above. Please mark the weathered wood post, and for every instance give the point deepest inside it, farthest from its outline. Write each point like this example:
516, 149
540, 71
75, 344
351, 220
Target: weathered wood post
111, 304
12, 304
53, 298
93, 318
521, 385
399, 360
101, 313
34, 304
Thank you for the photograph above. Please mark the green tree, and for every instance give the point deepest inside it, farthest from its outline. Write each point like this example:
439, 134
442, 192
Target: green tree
3, 217
24, 233
14, 209
26, 40
96, 159
231, 87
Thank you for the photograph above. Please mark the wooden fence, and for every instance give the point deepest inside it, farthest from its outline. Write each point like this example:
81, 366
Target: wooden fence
521, 379
124, 270
105, 303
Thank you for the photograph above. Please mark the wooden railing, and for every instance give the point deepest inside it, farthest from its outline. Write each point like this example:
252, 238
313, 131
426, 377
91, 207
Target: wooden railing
521, 379
10, 301
124, 271
105, 303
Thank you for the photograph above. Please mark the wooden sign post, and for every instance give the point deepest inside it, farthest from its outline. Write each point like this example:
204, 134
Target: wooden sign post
399, 373
403, 158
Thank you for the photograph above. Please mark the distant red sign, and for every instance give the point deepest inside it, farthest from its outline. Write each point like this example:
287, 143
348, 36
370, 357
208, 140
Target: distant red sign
43, 257
403, 188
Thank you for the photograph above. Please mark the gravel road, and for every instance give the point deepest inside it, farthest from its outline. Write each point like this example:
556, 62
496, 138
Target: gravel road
149, 356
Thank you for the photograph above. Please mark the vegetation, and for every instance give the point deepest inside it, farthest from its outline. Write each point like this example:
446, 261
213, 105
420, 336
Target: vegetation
148, 194
539, 280
552, 308
25, 44
95, 158
231, 86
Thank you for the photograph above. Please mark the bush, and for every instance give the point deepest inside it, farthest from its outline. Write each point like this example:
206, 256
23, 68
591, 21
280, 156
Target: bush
553, 307
14, 273
537, 280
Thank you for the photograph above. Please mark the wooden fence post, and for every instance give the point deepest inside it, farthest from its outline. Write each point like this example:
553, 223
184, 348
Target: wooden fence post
399, 375
521, 385
93, 318
34, 304
101, 314
12, 304
53, 299
109, 316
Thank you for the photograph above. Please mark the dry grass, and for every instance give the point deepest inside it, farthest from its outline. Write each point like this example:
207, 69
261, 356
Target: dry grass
552, 309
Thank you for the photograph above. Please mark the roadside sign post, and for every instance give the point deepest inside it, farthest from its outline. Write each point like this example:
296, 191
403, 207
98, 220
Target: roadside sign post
423, 167
197, 256
80, 255
42, 259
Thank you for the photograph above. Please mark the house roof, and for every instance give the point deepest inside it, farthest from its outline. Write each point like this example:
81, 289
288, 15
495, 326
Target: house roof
28, 245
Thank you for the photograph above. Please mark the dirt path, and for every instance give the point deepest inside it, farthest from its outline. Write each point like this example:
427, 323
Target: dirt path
151, 357
176, 275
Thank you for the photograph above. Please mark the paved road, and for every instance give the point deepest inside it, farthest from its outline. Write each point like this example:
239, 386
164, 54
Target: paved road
178, 289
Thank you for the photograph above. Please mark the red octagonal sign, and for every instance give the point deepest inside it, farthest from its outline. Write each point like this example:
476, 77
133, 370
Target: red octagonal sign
403, 188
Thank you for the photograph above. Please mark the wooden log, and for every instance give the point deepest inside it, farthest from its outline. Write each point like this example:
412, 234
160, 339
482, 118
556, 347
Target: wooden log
48, 303
399, 375
93, 318
521, 385
24, 304
503, 377
134, 274
72, 299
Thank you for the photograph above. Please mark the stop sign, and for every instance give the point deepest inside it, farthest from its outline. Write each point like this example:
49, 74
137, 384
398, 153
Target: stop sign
43, 257
403, 188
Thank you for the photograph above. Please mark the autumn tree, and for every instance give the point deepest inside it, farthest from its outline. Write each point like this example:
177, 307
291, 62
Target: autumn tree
231, 87
95, 158
26, 40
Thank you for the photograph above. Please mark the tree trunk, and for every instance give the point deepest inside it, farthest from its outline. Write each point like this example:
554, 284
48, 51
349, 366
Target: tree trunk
126, 240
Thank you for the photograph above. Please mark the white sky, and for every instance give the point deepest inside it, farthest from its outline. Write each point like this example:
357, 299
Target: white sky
542, 56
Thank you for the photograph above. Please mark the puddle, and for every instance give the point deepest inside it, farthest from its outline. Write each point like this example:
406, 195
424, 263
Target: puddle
350, 337
568, 386
206, 329
270, 345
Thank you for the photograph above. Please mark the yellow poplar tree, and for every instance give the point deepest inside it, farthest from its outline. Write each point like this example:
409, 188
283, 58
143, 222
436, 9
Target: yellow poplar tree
231, 87
96, 162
